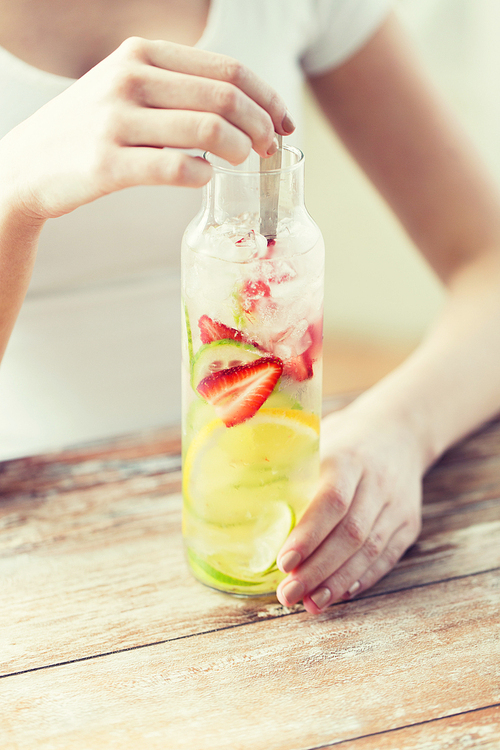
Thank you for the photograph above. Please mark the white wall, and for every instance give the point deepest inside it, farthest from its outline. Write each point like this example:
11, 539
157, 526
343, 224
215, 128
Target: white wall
377, 285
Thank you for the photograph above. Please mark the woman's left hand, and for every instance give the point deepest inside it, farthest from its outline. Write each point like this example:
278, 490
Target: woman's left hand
365, 515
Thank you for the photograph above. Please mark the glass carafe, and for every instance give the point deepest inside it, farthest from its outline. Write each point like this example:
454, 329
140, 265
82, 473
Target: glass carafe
252, 288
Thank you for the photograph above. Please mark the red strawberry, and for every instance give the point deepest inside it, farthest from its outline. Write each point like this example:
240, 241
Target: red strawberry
316, 333
299, 368
252, 292
212, 330
237, 393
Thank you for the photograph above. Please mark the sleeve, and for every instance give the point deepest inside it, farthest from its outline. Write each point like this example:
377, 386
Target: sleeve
341, 28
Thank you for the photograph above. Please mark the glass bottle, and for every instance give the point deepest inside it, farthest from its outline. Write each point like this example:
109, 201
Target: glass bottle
252, 289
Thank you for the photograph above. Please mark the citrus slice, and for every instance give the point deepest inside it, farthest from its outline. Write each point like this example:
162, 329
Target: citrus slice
220, 355
271, 531
230, 474
200, 412
244, 488
213, 577
242, 555
189, 335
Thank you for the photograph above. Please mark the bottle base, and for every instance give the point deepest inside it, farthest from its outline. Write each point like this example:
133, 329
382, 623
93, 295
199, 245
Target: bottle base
228, 584
239, 594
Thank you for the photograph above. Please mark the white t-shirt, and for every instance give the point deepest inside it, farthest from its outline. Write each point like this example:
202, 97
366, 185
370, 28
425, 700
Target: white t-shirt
96, 348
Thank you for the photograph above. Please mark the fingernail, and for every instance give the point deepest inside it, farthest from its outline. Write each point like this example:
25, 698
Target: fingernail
273, 147
293, 591
289, 561
288, 124
350, 592
321, 597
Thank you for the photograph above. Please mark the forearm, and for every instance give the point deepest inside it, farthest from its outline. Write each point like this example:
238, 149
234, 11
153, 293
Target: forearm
451, 383
368, 508
18, 245
427, 170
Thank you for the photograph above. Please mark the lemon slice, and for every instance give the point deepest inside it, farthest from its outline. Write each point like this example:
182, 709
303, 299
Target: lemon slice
231, 474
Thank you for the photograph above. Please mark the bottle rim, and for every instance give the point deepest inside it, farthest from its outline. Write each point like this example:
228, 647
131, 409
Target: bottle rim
222, 166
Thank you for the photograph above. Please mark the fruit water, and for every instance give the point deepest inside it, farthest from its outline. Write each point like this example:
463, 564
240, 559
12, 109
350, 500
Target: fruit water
252, 344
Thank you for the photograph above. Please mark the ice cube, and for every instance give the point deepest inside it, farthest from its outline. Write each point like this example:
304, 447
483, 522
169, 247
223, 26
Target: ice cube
277, 270
251, 241
233, 241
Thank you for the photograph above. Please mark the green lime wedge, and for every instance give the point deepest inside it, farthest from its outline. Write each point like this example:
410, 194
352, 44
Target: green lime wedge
206, 571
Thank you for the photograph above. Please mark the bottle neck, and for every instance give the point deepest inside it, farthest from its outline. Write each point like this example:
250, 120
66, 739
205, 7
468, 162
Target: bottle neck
236, 192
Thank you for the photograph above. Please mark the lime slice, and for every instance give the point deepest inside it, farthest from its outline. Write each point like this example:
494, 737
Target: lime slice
271, 531
219, 355
212, 576
189, 334
241, 555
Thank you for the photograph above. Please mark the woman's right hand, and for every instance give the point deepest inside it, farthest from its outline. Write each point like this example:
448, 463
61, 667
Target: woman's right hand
123, 123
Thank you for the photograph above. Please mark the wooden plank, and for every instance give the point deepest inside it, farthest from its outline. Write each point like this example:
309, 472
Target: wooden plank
476, 729
451, 486
93, 538
149, 453
109, 560
295, 682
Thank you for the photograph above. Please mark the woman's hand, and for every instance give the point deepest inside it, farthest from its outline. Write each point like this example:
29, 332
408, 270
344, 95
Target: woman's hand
365, 515
123, 124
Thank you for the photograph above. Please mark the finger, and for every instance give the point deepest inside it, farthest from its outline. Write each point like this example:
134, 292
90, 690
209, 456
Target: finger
197, 62
336, 585
150, 166
402, 540
184, 129
344, 541
327, 509
167, 90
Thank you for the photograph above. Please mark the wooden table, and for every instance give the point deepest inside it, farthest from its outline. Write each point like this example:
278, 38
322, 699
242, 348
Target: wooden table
108, 642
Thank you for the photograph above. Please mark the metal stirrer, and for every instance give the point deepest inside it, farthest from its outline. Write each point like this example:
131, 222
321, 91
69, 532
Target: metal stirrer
269, 193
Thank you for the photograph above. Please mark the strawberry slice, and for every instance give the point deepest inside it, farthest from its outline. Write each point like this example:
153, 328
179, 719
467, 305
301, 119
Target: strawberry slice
252, 292
315, 331
299, 368
237, 393
212, 330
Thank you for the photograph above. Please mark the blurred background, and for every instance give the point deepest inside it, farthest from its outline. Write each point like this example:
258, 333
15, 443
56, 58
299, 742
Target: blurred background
380, 295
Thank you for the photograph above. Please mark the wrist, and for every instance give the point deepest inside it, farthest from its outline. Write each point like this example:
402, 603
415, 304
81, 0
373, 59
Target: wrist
15, 213
19, 227
400, 418
19, 206
19, 232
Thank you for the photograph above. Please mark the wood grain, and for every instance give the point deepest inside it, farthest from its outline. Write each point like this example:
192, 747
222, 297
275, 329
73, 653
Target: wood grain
91, 557
108, 642
113, 566
475, 729
363, 667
